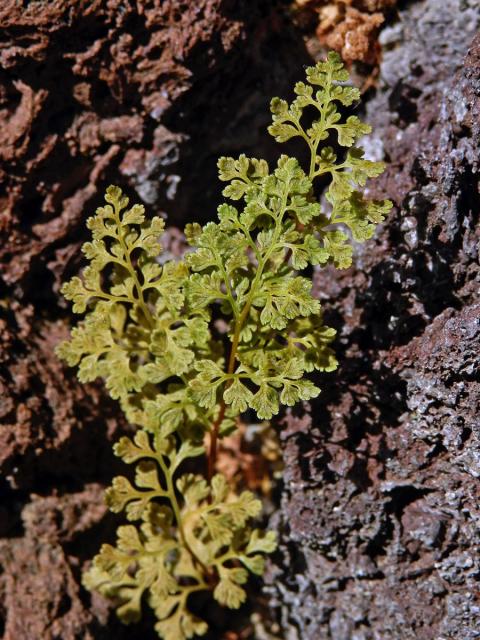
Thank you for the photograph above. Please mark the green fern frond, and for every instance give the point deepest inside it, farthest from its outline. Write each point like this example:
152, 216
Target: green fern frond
149, 333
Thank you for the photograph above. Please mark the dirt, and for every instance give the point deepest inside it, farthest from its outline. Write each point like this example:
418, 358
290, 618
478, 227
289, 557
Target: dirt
378, 513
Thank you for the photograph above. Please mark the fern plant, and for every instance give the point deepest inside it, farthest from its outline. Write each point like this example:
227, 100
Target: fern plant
150, 332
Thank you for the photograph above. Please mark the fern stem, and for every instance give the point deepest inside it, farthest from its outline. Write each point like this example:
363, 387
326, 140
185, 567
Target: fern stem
212, 454
177, 513
213, 451
313, 151
131, 270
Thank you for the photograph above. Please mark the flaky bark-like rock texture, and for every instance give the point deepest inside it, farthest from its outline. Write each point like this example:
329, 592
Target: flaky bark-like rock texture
379, 510
145, 95
380, 513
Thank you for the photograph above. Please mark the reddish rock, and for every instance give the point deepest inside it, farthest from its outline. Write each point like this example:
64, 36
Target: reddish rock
142, 94
379, 510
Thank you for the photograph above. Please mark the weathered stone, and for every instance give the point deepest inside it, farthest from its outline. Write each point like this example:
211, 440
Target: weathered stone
379, 512
384, 521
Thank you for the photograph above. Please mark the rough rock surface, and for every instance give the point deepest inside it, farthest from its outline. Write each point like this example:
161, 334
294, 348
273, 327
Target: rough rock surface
350, 27
142, 94
380, 513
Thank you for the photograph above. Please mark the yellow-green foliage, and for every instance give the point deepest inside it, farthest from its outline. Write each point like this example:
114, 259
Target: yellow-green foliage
148, 333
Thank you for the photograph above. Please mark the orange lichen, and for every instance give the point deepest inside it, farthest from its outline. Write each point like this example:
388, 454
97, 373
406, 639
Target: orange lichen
350, 32
348, 26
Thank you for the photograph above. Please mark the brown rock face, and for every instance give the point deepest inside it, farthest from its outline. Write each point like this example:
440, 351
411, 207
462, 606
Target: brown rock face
142, 94
379, 510
95, 91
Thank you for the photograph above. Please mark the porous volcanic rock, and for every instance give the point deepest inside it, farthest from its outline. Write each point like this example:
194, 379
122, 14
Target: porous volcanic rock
380, 508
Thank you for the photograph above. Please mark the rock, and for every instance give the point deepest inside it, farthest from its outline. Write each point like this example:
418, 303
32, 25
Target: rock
386, 521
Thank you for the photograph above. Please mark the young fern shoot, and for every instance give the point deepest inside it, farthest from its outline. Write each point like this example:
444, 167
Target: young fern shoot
148, 332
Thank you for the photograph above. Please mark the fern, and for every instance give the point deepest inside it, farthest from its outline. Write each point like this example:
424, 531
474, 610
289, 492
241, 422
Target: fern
148, 333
